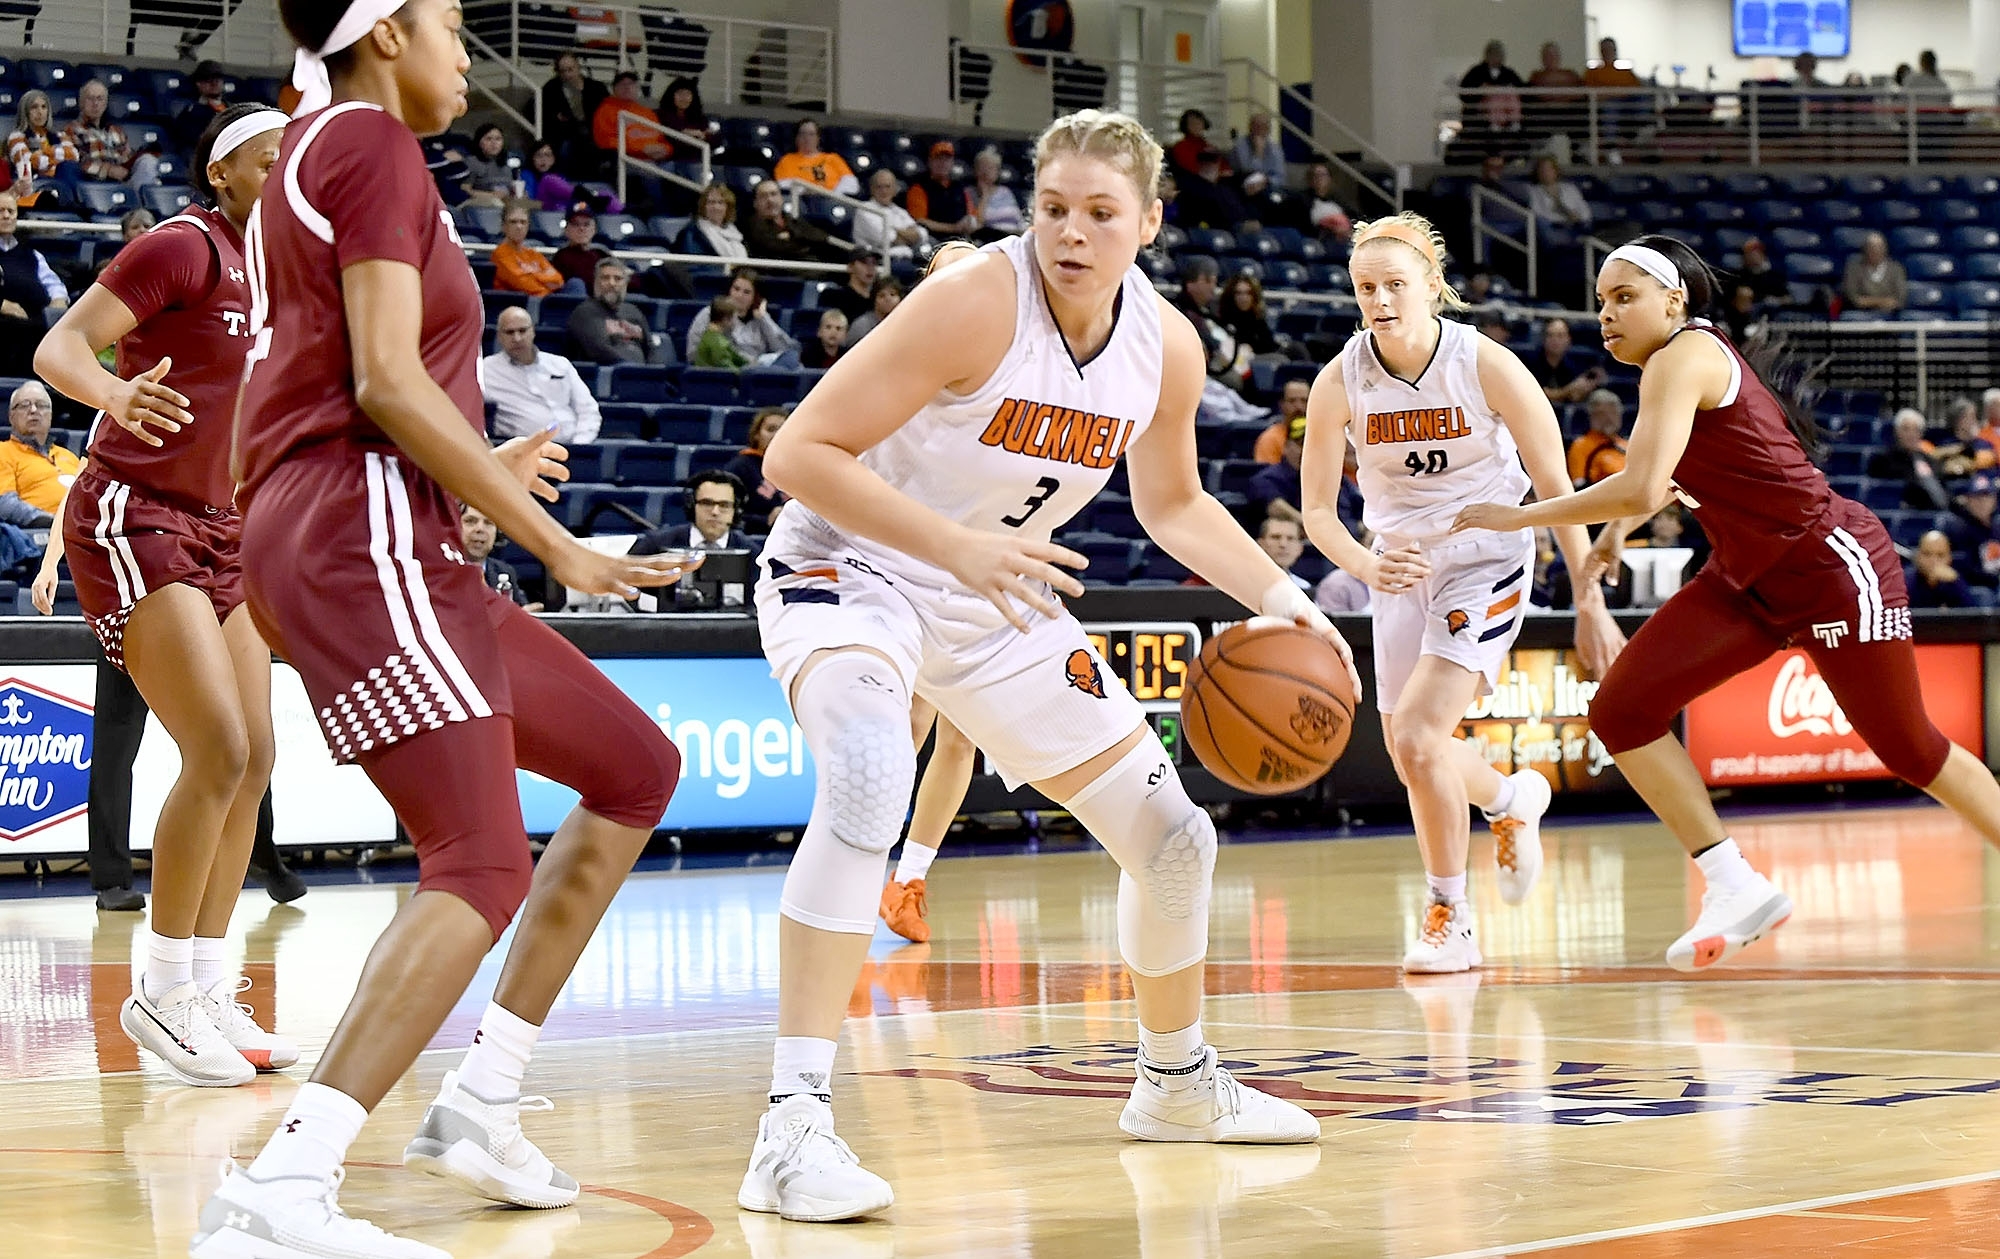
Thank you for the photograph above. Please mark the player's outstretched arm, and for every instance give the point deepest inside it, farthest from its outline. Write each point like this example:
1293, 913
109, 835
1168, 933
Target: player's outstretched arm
67, 360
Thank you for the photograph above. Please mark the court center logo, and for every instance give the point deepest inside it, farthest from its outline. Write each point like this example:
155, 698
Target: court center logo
45, 756
1083, 674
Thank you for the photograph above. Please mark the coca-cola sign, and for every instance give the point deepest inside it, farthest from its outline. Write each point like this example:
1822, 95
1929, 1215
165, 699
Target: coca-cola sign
1779, 722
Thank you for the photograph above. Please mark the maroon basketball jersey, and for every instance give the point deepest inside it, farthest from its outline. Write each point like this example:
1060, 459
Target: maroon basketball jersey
1747, 478
350, 185
184, 282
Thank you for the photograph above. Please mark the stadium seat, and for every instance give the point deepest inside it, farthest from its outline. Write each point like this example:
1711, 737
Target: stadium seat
1847, 461
165, 202
1975, 239
594, 461
1931, 266
1977, 298
1158, 566
622, 421
553, 317
1805, 266
1850, 238
649, 463
1718, 212
1982, 266
682, 424
704, 457
1927, 296
1863, 187
1747, 186
1110, 558
46, 74
498, 300
635, 382
1686, 185
1806, 186
1908, 240
103, 198
770, 386
588, 505
710, 386
1787, 239
1953, 210
1892, 211
1775, 213
483, 219
1210, 240
1835, 211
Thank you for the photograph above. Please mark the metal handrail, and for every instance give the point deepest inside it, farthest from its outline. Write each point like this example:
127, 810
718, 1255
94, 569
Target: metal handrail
626, 120
1483, 231
1391, 195
794, 188
1159, 80
478, 45
703, 260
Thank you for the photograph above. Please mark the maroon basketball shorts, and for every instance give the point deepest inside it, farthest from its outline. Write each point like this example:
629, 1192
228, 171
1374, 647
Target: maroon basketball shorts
124, 542
353, 573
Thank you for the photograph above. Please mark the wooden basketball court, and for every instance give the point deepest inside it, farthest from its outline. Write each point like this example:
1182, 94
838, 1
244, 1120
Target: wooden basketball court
1836, 1091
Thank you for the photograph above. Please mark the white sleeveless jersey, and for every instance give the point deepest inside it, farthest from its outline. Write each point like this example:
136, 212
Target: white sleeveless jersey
1427, 448
1029, 448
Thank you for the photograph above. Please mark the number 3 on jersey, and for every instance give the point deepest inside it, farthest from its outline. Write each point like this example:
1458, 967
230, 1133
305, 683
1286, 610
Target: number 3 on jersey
1045, 489
1427, 462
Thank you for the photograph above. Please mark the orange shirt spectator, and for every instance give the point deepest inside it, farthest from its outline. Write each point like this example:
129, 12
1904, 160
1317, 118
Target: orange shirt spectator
1270, 447
1594, 456
1607, 72
806, 164
641, 141
519, 267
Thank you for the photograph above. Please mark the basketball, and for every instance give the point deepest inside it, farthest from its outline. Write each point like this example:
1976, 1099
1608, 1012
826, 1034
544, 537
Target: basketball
1268, 706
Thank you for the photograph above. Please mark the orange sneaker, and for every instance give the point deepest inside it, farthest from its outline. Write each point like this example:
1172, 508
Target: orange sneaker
904, 907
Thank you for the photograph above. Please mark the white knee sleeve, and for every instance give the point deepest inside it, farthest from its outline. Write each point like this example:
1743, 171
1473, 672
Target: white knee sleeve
855, 712
1165, 844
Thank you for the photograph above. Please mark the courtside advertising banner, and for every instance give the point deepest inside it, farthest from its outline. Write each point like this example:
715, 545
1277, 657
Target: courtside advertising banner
1778, 722
1538, 718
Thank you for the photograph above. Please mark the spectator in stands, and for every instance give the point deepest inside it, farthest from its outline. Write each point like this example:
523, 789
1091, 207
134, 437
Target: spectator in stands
716, 495
191, 118
569, 107
1977, 531
519, 267
760, 508
1961, 451
1243, 315
1274, 488
133, 224
771, 233
1489, 93
887, 228
830, 343
1933, 579
1906, 462
1765, 280
1493, 325
1926, 85
1550, 112
1259, 158
1557, 202
1170, 195
713, 229
1742, 315
1565, 374
1285, 542
1200, 285
43, 160
711, 344
100, 143
1341, 592
993, 203
1805, 72
807, 164
1874, 280
608, 329
532, 391
478, 536
578, 258
644, 138
1292, 399
1323, 212
542, 183
28, 287
34, 472
490, 178
856, 297
938, 203
680, 108
1608, 70
753, 330
1600, 450
888, 296
1477, 291
1185, 153
1989, 414
1207, 200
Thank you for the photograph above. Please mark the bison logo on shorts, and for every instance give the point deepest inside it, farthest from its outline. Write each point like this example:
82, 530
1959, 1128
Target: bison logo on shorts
1456, 620
1081, 669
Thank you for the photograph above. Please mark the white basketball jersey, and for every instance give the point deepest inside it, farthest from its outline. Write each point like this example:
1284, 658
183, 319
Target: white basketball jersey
1028, 449
1431, 446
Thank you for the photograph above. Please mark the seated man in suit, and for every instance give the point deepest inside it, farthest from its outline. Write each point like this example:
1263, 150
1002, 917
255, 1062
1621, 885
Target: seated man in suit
714, 501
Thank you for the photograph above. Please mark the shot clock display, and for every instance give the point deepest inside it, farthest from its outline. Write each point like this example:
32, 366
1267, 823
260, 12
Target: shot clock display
1151, 658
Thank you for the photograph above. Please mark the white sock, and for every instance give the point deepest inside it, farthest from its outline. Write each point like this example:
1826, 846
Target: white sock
915, 862
1175, 1057
169, 964
498, 1056
211, 962
802, 1064
1450, 889
1503, 801
1724, 867
313, 1138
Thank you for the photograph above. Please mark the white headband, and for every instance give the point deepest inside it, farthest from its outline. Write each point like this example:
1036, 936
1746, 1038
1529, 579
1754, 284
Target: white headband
1652, 262
245, 129
309, 68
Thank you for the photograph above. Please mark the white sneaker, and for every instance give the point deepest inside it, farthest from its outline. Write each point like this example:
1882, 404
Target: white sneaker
266, 1051
291, 1217
1728, 922
1517, 836
178, 1030
1215, 1107
1444, 944
800, 1170
478, 1143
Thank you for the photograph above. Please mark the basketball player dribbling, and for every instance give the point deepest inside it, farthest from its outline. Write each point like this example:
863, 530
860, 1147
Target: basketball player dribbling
1439, 416
359, 432
1793, 564
927, 471
151, 533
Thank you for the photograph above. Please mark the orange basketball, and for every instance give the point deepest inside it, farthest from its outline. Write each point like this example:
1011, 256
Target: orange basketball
1268, 706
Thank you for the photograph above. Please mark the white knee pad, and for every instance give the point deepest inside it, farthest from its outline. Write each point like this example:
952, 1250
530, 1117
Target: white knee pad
1165, 844
855, 712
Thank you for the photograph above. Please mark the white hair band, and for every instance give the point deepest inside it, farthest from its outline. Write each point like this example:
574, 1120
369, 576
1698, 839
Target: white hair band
309, 68
244, 129
1652, 262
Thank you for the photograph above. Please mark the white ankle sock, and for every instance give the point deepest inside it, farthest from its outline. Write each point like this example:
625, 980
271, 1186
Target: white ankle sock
312, 1139
915, 862
802, 1064
498, 1056
1167, 1050
169, 964
211, 962
1449, 889
1724, 867
1504, 800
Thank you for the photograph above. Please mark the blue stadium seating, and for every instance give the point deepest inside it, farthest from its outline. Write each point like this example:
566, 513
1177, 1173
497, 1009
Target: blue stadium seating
649, 463
637, 382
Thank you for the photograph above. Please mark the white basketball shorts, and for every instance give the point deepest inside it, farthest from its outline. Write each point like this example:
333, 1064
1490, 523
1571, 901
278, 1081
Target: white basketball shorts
1468, 611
